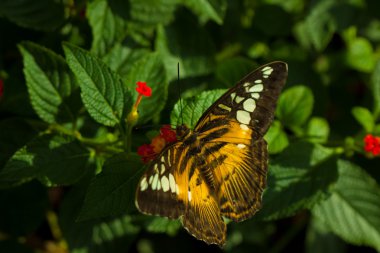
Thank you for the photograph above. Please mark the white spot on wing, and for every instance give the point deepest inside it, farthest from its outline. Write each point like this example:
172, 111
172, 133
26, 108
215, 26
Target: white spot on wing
240, 145
224, 107
172, 183
249, 105
246, 84
243, 117
189, 195
150, 179
233, 94
169, 158
158, 185
238, 99
154, 183
258, 81
143, 184
256, 88
162, 168
267, 71
255, 95
165, 183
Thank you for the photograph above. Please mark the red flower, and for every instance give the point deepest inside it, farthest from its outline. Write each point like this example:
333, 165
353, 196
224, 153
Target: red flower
150, 151
146, 152
372, 144
158, 143
143, 89
168, 133
1, 88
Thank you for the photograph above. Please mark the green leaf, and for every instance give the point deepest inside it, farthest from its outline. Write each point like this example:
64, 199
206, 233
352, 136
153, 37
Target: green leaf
298, 179
107, 28
320, 239
208, 9
276, 138
115, 234
317, 130
149, 69
375, 85
360, 55
194, 51
295, 106
163, 225
272, 20
352, 210
112, 192
193, 108
45, 15
318, 28
102, 90
364, 117
52, 159
14, 133
149, 13
25, 209
290, 5
231, 70
51, 85
121, 58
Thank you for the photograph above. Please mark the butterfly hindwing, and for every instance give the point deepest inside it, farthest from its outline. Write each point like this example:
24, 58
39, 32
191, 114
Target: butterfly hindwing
241, 179
202, 217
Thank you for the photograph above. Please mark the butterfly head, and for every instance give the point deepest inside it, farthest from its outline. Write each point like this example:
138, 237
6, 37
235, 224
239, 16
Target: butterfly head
182, 131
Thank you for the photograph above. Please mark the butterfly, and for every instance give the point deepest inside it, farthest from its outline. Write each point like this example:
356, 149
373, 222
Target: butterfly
219, 169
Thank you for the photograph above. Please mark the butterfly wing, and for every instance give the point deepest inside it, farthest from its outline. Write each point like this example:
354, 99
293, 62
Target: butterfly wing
161, 190
202, 217
231, 133
167, 189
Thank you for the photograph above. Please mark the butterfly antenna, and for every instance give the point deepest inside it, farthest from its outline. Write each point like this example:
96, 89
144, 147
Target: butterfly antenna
179, 94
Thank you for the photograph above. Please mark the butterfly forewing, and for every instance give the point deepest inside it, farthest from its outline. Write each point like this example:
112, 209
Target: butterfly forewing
251, 101
221, 167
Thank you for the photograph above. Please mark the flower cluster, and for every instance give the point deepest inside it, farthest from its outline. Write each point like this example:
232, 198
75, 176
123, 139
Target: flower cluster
372, 144
149, 152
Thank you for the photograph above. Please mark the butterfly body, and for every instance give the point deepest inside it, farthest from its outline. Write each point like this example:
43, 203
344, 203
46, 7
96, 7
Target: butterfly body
218, 169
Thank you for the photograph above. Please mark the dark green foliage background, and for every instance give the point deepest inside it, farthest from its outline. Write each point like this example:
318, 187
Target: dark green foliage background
67, 180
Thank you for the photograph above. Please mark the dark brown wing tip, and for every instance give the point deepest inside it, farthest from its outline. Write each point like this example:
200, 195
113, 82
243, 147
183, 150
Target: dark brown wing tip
278, 64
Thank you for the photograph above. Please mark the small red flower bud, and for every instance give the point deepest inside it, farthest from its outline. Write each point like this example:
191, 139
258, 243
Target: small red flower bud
168, 133
372, 144
158, 144
146, 152
143, 89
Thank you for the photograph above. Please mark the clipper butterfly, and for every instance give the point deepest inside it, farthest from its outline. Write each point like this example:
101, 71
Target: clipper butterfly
219, 169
